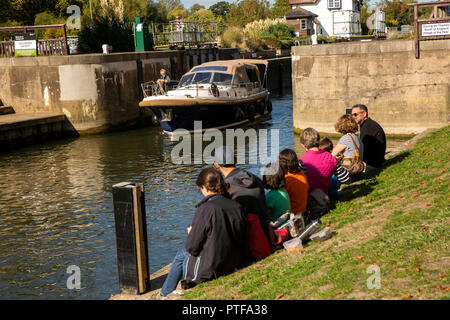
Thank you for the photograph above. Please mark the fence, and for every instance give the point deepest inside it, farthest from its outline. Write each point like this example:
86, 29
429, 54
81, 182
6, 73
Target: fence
44, 47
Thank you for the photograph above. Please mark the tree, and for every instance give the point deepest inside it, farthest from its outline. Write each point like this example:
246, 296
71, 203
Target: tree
202, 15
109, 26
398, 12
245, 11
365, 13
154, 13
221, 8
170, 4
195, 7
280, 7
178, 11
5, 9
25, 11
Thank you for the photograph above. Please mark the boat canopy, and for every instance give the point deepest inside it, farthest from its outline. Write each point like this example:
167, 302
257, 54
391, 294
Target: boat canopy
246, 70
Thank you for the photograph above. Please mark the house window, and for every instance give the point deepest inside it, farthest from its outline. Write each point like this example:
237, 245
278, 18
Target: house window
334, 4
303, 24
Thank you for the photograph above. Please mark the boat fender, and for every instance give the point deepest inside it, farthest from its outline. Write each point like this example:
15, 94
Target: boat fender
261, 107
214, 90
251, 112
269, 106
239, 115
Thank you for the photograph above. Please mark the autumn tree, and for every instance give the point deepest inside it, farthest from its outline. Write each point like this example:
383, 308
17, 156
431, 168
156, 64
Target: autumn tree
178, 11
220, 9
397, 12
280, 7
194, 8
245, 11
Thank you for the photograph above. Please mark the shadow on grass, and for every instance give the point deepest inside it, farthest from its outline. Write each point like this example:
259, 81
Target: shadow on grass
366, 185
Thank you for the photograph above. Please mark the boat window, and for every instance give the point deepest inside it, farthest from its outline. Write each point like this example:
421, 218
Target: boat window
222, 78
252, 75
210, 68
202, 77
238, 78
185, 80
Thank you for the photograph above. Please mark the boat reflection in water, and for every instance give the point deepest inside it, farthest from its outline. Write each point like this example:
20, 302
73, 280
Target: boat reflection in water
221, 94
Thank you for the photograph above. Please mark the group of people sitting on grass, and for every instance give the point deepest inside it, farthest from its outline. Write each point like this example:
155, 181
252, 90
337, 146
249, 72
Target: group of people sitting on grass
237, 220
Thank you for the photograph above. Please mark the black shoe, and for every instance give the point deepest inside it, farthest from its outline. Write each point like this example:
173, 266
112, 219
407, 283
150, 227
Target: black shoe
186, 284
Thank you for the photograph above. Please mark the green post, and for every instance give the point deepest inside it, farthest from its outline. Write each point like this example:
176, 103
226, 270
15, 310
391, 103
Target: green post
142, 39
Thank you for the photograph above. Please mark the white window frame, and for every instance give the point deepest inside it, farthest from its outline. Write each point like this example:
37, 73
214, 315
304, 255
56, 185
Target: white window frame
306, 24
334, 4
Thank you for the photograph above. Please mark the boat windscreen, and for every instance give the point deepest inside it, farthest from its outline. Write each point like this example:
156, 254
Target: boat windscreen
186, 80
202, 77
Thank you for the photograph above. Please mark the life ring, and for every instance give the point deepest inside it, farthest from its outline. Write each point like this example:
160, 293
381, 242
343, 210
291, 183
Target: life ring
344, 29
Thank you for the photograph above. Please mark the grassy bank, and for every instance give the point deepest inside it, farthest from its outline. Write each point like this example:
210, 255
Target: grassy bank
397, 220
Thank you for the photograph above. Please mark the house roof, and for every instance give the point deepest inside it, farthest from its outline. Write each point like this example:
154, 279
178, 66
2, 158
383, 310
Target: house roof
291, 2
299, 13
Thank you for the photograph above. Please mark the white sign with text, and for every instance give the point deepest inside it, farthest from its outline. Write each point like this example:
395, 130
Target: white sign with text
435, 29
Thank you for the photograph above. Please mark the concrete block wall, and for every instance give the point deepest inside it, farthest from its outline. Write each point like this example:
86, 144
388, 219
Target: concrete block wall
404, 94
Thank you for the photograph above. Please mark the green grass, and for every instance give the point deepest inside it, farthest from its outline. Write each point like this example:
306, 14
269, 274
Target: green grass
397, 219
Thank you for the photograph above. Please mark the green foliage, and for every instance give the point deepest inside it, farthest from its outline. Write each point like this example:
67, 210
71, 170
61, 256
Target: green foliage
25, 11
398, 12
278, 36
246, 11
194, 8
280, 7
178, 11
221, 8
232, 37
5, 9
155, 12
364, 14
202, 15
109, 26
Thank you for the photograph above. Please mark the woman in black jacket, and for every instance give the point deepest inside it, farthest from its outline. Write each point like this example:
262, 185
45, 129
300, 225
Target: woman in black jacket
216, 240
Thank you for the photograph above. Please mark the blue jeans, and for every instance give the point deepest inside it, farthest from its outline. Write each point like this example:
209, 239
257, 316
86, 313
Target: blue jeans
177, 269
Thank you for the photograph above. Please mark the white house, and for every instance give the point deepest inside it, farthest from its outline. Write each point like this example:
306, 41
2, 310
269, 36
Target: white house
339, 18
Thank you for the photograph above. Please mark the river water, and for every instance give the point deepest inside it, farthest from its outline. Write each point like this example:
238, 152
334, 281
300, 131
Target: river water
56, 207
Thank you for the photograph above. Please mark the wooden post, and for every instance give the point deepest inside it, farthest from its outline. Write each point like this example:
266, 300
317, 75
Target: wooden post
131, 237
416, 32
66, 49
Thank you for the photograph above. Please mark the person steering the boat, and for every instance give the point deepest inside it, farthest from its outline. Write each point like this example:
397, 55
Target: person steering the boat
163, 81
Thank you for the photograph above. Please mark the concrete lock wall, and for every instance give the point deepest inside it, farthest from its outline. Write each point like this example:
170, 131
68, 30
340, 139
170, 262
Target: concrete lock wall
94, 91
404, 94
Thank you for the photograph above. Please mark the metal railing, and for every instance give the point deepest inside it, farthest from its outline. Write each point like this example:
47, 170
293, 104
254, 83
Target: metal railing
183, 32
44, 47
346, 22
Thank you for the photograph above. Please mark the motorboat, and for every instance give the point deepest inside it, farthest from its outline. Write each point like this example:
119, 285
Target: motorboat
220, 94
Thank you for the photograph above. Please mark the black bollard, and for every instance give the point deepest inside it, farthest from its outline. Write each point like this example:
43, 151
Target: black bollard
131, 237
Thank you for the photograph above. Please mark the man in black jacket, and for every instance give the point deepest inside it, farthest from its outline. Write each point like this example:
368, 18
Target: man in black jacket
372, 136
